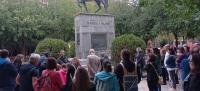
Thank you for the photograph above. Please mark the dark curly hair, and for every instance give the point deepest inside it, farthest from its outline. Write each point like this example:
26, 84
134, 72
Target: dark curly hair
125, 54
51, 63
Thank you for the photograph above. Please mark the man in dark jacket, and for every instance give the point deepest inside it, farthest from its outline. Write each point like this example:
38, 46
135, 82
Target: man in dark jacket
62, 59
8, 72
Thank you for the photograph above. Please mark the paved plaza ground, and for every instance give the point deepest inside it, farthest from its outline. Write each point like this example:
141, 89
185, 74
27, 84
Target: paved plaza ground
143, 86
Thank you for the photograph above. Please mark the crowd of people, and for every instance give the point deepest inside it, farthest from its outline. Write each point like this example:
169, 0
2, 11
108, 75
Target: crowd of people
166, 65
170, 65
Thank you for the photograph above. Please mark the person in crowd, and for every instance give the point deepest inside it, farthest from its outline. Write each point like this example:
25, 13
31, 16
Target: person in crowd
63, 74
105, 80
167, 46
8, 72
171, 67
194, 77
185, 69
70, 70
126, 69
193, 70
152, 74
147, 51
18, 62
93, 64
179, 57
190, 44
187, 50
75, 62
58, 67
157, 63
28, 73
81, 81
63, 58
163, 68
55, 79
42, 63
140, 59
103, 57
184, 65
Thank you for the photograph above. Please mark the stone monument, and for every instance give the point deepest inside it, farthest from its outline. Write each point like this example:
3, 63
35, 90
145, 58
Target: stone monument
93, 31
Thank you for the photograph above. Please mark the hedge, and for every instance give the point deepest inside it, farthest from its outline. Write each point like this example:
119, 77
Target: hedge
52, 46
128, 41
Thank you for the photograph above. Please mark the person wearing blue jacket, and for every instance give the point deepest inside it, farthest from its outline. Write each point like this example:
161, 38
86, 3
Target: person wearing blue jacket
8, 72
185, 68
171, 67
105, 80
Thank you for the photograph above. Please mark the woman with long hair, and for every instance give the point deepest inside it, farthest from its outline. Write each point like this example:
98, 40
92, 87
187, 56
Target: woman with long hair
18, 63
127, 69
81, 81
152, 74
194, 79
55, 79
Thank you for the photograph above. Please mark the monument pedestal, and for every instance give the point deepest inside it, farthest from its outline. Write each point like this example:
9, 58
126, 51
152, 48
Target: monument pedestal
93, 31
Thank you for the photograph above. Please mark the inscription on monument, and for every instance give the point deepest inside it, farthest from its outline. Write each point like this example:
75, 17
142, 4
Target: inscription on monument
96, 22
99, 41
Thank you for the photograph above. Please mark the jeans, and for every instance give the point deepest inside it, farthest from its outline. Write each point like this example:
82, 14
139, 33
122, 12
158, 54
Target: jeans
172, 76
164, 74
152, 86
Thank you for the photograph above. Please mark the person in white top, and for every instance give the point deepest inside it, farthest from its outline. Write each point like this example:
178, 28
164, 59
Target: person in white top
167, 46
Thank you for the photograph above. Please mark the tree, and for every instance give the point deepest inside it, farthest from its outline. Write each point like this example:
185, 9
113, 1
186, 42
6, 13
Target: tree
24, 23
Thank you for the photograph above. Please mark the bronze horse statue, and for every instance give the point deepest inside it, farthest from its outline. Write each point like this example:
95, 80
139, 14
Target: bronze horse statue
98, 2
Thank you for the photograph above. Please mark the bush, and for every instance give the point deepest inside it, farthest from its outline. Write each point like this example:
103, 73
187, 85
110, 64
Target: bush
52, 46
128, 41
71, 49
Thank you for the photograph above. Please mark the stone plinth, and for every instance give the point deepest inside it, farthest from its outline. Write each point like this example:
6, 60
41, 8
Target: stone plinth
93, 31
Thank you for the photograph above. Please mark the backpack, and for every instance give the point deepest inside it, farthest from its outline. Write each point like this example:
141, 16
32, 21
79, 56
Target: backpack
130, 79
43, 83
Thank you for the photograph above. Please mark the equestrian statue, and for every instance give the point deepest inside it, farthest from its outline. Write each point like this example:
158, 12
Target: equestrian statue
98, 2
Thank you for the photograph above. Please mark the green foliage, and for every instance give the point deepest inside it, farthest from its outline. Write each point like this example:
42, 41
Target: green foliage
24, 23
163, 42
71, 49
128, 41
51, 46
149, 18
